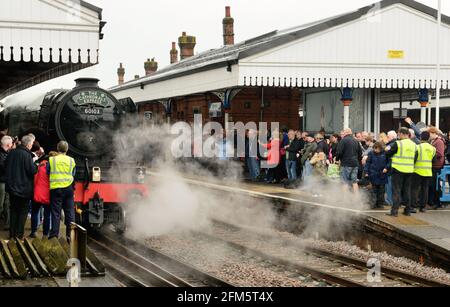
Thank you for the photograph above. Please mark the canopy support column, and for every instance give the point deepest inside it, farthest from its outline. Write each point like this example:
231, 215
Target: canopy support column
347, 98
423, 100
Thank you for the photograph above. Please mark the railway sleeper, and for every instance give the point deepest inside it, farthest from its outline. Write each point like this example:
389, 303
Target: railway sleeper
40, 258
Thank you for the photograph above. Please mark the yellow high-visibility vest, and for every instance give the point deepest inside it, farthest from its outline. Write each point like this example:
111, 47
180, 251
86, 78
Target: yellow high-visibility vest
61, 172
424, 163
403, 160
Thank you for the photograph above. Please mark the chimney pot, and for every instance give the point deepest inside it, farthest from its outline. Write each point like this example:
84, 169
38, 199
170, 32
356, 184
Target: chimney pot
173, 53
187, 44
151, 66
227, 11
121, 74
228, 28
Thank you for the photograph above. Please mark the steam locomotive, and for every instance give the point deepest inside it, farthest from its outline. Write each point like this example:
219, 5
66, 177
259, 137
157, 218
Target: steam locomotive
88, 118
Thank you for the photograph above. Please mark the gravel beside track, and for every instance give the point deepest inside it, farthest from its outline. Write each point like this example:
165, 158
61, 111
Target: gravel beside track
248, 270
229, 264
349, 250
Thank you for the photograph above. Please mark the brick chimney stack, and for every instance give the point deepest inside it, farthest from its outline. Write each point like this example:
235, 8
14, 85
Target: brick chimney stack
228, 28
173, 54
121, 74
187, 44
151, 66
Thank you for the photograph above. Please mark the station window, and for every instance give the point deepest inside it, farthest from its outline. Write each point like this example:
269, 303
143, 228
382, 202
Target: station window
248, 105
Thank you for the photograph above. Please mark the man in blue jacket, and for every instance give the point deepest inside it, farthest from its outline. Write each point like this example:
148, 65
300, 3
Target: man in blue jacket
376, 170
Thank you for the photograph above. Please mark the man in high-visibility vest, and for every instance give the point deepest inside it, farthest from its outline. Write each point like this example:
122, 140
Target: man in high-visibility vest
404, 155
61, 170
423, 171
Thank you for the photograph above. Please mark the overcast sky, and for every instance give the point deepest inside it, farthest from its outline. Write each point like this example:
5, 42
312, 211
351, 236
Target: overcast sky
141, 29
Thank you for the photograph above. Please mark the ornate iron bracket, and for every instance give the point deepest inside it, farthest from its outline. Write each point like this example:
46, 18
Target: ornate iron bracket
227, 96
167, 106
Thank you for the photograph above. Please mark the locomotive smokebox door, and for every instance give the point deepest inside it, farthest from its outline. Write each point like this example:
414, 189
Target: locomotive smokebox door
96, 212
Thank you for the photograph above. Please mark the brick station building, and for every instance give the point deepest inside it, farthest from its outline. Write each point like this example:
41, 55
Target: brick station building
336, 72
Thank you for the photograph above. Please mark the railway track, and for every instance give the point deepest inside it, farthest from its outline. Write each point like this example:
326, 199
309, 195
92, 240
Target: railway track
334, 269
136, 265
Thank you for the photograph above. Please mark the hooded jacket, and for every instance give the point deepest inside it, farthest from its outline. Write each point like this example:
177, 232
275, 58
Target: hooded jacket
375, 165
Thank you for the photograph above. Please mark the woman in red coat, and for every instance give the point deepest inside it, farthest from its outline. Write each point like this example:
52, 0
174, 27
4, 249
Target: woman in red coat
41, 198
273, 156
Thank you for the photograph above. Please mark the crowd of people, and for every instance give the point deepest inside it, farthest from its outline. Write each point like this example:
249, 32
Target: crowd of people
398, 168
35, 185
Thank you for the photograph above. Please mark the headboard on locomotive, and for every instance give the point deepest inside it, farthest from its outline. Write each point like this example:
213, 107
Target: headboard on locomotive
87, 117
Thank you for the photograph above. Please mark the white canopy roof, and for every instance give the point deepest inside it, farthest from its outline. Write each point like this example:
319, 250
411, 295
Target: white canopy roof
393, 47
58, 31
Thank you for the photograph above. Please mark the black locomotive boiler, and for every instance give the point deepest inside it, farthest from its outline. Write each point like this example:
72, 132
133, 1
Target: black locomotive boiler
88, 118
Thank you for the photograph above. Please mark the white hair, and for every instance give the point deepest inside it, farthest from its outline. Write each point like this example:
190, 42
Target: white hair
32, 136
6, 140
392, 135
27, 140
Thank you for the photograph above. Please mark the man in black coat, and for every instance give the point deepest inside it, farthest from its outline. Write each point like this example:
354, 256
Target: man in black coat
20, 170
349, 154
6, 145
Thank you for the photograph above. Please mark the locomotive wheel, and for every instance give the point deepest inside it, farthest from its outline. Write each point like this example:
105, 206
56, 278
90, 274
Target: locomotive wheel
122, 222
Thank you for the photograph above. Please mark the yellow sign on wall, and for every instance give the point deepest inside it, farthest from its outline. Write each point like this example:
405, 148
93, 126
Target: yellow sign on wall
396, 54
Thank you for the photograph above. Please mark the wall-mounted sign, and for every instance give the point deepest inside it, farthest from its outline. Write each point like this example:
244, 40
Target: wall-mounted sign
215, 109
400, 113
396, 54
148, 115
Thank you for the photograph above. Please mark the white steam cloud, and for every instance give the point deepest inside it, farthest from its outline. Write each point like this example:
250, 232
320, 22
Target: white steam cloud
175, 205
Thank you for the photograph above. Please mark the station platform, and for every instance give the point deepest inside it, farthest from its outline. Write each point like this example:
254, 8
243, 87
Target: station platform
433, 226
426, 234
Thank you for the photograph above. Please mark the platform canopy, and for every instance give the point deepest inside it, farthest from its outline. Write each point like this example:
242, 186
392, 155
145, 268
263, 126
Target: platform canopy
389, 44
45, 39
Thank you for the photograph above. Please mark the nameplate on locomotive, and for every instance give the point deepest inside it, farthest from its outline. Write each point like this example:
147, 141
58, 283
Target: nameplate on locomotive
86, 98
